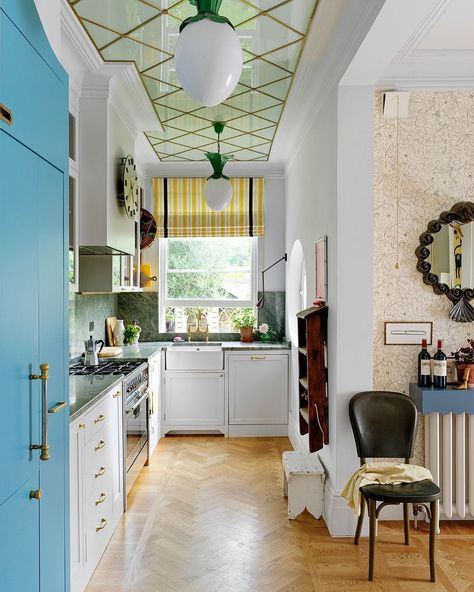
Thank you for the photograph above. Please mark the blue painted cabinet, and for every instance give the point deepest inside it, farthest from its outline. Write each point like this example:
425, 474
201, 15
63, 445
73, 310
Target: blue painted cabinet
33, 305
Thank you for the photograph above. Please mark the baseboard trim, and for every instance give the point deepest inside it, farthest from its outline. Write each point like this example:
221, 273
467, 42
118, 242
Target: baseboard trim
255, 431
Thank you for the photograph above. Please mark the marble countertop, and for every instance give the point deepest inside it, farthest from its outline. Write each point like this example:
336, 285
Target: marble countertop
86, 391
146, 350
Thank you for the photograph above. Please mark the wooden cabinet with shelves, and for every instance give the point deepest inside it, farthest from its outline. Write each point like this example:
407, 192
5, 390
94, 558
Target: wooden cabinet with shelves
312, 376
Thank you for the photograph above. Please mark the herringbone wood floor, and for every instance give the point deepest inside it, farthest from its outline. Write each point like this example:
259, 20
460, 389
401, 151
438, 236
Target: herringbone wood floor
208, 516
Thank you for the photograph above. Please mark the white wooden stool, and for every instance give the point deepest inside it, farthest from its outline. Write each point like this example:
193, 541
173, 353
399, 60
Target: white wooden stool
303, 483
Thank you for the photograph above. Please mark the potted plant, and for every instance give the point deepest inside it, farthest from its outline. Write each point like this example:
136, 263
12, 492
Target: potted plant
265, 332
131, 333
243, 320
465, 359
169, 319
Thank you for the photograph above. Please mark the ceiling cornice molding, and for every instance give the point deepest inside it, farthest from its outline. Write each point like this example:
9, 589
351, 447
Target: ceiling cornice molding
314, 80
74, 31
119, 82
202, 169
426, 83
423, 29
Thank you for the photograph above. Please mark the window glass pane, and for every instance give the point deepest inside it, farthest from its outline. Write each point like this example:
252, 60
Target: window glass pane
217, 268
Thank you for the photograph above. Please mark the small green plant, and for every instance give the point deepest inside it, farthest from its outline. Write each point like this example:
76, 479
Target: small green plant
243, 317
131, 333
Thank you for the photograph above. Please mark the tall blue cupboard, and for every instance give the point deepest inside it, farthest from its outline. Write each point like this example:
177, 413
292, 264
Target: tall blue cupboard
33, 306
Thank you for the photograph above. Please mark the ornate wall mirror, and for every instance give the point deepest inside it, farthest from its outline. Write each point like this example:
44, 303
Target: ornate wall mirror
446, 258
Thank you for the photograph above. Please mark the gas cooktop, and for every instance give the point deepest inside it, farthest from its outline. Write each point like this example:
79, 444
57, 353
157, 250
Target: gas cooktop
114, 367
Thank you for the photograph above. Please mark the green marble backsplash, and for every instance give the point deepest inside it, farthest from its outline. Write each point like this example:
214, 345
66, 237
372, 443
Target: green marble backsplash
84, 308
143, 308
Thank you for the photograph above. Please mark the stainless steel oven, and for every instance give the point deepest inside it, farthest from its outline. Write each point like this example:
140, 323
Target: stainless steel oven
135, 424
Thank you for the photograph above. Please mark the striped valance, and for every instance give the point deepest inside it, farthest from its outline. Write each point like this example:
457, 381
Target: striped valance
180, 209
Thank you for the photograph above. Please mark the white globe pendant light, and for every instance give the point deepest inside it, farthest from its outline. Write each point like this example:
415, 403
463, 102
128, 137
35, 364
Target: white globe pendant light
208, 55
218, 190
218, 193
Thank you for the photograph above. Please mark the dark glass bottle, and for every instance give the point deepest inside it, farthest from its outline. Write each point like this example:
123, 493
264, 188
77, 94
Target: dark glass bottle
424, 366
440, 367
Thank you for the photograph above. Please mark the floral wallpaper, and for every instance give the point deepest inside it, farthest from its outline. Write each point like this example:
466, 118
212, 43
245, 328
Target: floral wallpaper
436, 170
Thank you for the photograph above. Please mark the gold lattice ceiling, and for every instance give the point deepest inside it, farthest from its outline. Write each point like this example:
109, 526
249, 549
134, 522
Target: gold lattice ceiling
272, 33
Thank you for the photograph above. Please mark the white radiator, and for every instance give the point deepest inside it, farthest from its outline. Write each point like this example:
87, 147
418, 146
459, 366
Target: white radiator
449, 454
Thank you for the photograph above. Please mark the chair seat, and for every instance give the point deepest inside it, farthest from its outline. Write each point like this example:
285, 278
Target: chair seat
419, 491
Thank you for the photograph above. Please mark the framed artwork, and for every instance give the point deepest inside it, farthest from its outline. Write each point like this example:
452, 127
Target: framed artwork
321, 262
408, 332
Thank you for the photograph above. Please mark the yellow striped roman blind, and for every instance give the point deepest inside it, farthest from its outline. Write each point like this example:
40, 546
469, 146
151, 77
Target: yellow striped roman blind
180, 209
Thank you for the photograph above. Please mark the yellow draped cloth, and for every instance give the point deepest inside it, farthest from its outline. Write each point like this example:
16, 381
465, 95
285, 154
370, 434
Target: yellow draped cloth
382, 473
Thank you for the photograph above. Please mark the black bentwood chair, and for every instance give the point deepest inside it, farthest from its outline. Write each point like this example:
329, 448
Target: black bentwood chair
384, 426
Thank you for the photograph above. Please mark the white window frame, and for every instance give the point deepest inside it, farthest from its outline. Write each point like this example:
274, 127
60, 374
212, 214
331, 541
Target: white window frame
203, 302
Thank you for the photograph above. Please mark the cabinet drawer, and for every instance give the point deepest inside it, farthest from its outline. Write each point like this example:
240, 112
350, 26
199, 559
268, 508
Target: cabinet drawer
99, 528
99, 462
100, 415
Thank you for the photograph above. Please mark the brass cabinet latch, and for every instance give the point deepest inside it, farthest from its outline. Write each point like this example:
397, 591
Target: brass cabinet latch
36, 494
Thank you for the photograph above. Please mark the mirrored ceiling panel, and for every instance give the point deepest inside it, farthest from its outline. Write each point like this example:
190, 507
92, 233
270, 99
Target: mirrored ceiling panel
272, 34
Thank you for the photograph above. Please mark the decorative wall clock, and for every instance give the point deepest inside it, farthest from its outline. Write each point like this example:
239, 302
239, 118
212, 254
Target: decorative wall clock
128, 187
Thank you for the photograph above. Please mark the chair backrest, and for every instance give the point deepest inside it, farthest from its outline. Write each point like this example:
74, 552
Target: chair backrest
384, 424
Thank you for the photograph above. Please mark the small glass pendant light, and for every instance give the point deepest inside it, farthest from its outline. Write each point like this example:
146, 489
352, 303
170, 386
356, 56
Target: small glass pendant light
208, 55
218, 190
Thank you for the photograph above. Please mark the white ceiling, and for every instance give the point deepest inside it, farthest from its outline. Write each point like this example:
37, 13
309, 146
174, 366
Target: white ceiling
454, 30
440, 52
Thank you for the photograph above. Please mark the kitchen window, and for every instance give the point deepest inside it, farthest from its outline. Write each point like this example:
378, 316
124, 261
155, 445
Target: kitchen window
218, 275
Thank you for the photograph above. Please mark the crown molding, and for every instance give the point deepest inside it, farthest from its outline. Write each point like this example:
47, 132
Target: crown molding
119, 82
74, 31
202, 169
328, 52
426, 83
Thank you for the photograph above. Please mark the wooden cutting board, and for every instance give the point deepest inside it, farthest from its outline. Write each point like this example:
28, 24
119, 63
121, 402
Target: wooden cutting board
110, 326
110, 352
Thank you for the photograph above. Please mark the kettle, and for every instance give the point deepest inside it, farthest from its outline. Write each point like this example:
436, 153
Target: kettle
93, 348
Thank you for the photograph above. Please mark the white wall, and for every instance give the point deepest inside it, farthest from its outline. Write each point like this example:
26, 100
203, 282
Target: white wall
50, 14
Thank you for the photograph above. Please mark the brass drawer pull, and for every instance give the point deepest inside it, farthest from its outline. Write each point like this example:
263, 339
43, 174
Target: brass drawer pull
5, 114
102, 498
100, 445
36, 494
56, 408
102, 525
99, 419
117, 394
100, 472
258, 357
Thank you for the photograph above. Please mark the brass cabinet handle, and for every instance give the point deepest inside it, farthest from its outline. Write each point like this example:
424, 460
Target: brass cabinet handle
82, 426
102, 525
56, 408
258, 357
117, 394
100, 472
5, 114
36, 494
100, 445
99, 419
102, 498
44, 447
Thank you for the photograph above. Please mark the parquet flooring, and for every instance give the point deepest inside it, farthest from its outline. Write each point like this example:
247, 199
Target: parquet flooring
208, 516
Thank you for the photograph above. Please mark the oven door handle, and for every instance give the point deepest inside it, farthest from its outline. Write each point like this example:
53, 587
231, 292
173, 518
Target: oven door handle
145, 395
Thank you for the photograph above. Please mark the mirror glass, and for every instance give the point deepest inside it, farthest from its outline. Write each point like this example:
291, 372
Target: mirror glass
452, 255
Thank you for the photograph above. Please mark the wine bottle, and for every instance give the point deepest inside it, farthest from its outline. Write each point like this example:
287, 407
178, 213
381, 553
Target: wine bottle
440, 367
424, 365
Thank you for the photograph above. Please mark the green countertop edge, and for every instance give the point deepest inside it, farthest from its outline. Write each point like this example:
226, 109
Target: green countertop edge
95, 397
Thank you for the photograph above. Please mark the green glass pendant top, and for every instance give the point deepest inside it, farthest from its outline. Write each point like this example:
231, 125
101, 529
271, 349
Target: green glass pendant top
206, 9
218, 162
